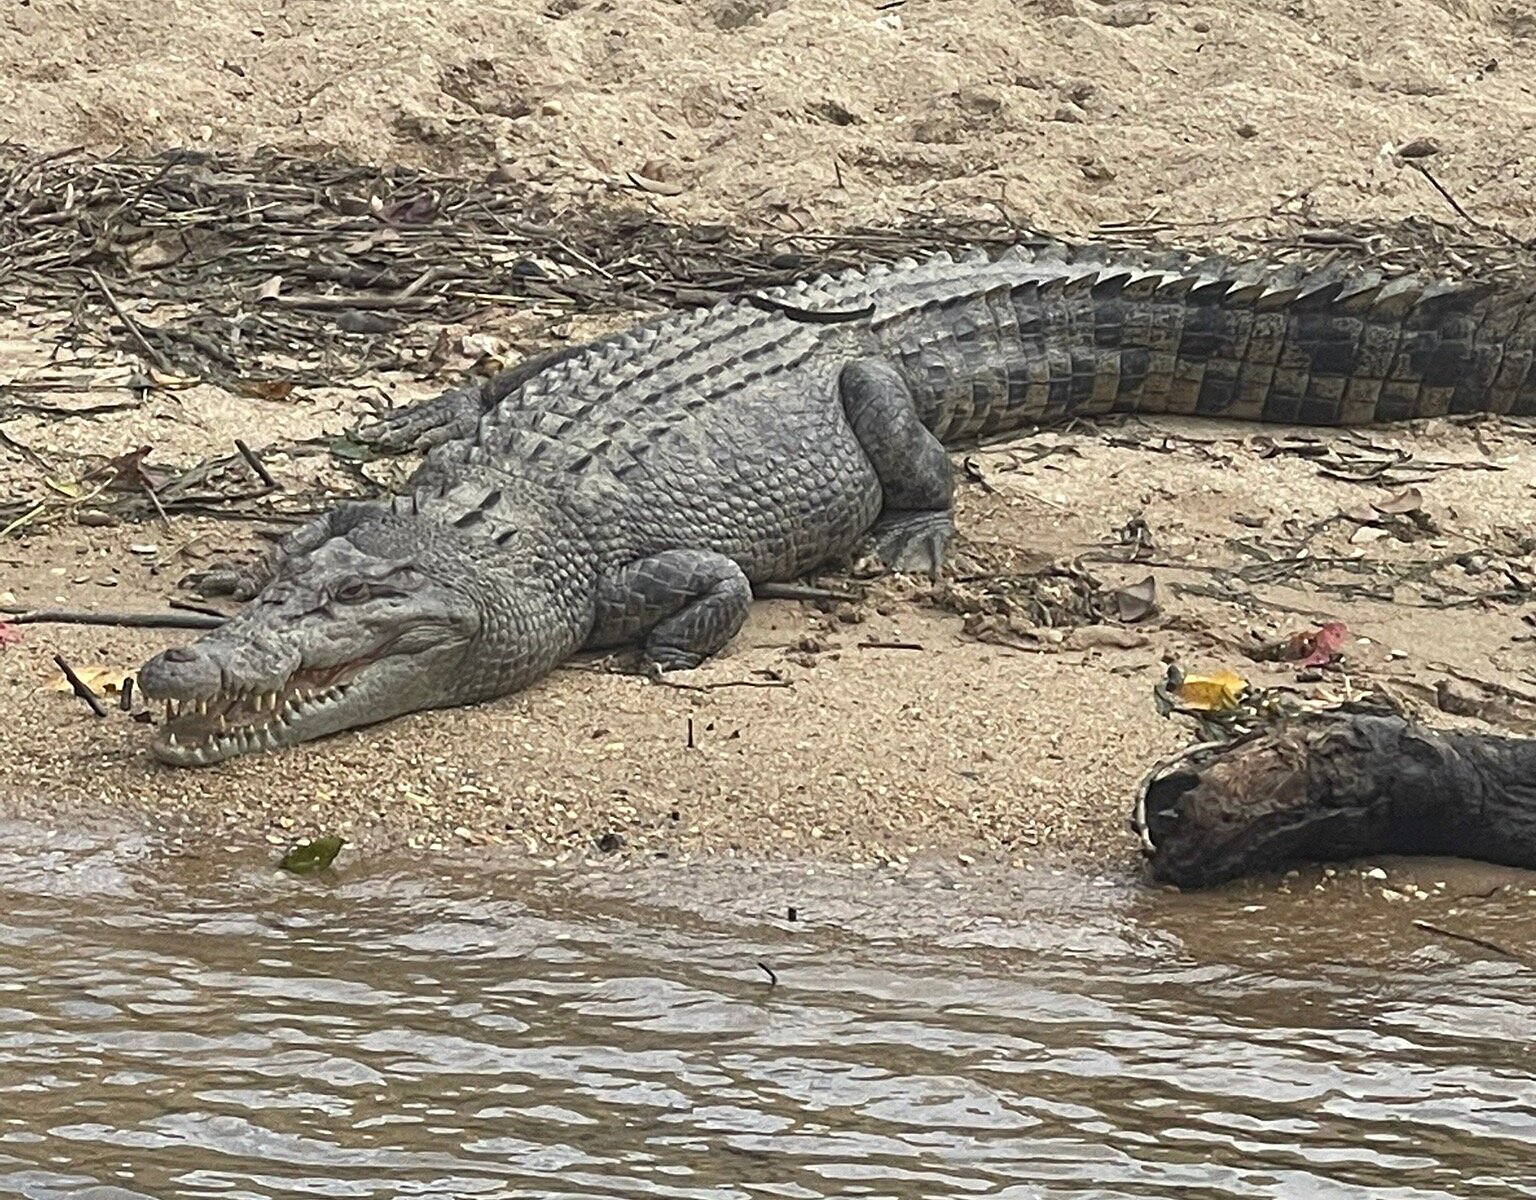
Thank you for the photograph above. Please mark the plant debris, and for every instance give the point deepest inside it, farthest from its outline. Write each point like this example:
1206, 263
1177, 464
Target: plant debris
1136, 601
276, 272
271, 272
1224, 705
311, 857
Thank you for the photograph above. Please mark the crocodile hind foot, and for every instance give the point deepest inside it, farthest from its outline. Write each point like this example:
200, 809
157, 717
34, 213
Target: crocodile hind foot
916, 477
912, 543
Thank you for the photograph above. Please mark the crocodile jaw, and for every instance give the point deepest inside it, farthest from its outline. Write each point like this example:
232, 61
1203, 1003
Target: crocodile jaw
203, 731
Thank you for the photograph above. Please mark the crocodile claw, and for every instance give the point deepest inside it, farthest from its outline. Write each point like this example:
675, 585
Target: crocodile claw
913, 543
677, 671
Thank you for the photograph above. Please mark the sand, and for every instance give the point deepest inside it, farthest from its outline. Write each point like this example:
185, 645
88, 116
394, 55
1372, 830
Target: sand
825, 112
812, 735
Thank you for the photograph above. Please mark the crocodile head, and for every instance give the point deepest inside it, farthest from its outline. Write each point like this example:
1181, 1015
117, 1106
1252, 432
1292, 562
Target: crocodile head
375, 614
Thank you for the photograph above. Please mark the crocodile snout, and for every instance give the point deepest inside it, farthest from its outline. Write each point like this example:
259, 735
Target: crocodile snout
181, 672
211, 666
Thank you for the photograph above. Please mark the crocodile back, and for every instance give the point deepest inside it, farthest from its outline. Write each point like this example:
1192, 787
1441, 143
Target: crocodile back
723, 427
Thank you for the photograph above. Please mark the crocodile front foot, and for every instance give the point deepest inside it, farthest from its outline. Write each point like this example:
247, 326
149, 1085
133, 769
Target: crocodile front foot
685, 604
238, 580
912, 543
413, 427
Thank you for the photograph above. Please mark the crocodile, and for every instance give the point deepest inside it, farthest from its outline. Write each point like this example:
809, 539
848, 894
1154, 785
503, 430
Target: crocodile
638, 489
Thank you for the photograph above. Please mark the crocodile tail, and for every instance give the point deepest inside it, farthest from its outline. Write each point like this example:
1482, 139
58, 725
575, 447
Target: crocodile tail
1042, 339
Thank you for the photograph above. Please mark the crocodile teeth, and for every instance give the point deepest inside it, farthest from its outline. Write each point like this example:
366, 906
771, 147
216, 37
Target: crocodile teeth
238, 721
284, 709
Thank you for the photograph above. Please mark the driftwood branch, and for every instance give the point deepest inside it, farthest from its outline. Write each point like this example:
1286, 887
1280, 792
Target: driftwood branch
1337, 787
124, 620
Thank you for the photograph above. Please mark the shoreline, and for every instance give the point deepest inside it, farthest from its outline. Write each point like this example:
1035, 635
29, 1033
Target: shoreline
1018, 731
818, 735
723, 761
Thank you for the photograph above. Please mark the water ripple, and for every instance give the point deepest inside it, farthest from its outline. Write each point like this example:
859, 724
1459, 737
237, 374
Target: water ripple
174, 1030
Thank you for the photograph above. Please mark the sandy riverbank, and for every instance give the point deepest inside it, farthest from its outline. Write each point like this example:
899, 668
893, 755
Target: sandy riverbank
804, 742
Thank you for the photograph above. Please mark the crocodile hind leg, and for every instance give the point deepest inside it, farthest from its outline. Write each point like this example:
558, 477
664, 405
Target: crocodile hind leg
686, 603
914, 528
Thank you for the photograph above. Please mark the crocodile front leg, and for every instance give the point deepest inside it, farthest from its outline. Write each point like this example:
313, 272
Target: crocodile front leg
451, 416
237, 580
244, 580
914, 529
687, 603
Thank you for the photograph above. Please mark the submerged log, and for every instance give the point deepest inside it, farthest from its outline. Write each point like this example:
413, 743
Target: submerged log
1342, 788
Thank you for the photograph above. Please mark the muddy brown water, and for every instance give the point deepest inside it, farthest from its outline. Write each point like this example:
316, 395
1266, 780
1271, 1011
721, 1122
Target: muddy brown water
203, 1026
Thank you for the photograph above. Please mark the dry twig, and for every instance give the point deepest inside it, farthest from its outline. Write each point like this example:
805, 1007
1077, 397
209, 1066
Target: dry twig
80, 687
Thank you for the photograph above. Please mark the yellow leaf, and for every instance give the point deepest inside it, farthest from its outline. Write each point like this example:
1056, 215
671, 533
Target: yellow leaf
64, 487
1212, 693
103, 680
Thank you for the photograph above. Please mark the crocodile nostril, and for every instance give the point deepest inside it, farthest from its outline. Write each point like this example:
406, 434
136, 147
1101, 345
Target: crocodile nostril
181, 654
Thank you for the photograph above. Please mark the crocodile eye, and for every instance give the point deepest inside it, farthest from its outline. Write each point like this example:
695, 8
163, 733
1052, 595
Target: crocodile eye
352, 591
